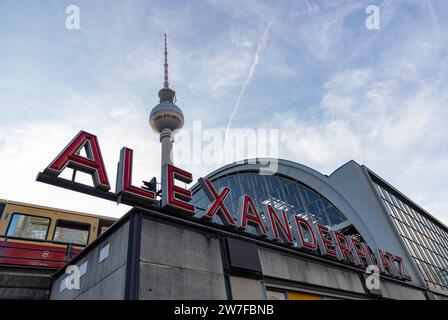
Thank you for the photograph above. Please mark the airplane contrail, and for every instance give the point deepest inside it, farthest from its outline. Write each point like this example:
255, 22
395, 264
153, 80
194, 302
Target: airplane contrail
260, 47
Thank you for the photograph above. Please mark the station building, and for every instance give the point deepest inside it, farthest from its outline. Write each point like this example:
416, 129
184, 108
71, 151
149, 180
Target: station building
160, 254
244, 232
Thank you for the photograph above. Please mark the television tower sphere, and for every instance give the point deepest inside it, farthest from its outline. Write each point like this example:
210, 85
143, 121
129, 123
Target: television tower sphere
166, 116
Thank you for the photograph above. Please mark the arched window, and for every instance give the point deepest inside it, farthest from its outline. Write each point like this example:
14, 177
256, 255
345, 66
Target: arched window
282, 193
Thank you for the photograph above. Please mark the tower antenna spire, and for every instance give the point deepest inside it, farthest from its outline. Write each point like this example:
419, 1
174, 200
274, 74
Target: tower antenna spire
166, 84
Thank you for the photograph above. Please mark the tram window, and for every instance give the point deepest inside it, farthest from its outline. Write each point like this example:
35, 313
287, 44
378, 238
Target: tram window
29, 227
2, 207
104, 225
103, 229
71, 232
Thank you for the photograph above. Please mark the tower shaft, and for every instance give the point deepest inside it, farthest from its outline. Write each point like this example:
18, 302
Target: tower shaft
167, 139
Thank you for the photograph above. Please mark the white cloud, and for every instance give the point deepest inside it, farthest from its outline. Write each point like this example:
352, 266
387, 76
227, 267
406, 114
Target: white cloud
321, 28
262, 42
367, 116
29, 146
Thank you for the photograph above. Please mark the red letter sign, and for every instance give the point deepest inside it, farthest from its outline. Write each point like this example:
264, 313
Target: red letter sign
358, 252
253, 218
326, 245
342, 246
371, 257
391, 259
175, 197
299, 224
217, 205
402, 272
384, 263
92, 165
279, 225
124, 178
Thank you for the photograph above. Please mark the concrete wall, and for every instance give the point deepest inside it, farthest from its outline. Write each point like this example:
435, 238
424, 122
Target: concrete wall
180, 263
435, 296
103, 280
177, 263
288, 267
391, 290
23, 283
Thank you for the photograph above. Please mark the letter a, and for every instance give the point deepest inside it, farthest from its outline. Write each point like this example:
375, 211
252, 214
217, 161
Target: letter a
92, 164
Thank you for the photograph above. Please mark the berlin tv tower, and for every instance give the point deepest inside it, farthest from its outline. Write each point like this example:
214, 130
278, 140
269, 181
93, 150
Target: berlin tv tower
166, 116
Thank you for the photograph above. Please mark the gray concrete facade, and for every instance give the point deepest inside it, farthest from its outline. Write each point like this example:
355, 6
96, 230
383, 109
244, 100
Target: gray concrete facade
154, 254
177, 259
287, 267
23, 283
349, 189
104, 278
177, 263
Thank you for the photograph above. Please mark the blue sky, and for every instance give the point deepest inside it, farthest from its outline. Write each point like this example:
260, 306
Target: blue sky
335, 90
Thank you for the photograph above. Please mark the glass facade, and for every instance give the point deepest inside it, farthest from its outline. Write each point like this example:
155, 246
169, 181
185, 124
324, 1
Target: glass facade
425, 238
282, 193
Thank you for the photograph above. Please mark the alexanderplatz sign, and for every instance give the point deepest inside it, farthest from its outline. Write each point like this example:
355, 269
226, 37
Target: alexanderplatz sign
294, 232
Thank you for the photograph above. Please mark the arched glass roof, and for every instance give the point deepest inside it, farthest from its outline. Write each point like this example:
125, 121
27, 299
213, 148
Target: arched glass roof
283, 193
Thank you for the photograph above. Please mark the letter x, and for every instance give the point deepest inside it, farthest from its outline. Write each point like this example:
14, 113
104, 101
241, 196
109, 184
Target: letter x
217, 206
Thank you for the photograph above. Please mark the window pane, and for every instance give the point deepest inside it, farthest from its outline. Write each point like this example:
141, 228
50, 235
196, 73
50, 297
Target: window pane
276, 295
104, 229
294, 295
2, 207
71, 232
30, 227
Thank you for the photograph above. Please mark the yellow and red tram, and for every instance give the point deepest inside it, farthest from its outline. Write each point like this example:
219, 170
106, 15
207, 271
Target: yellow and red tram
32, 235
